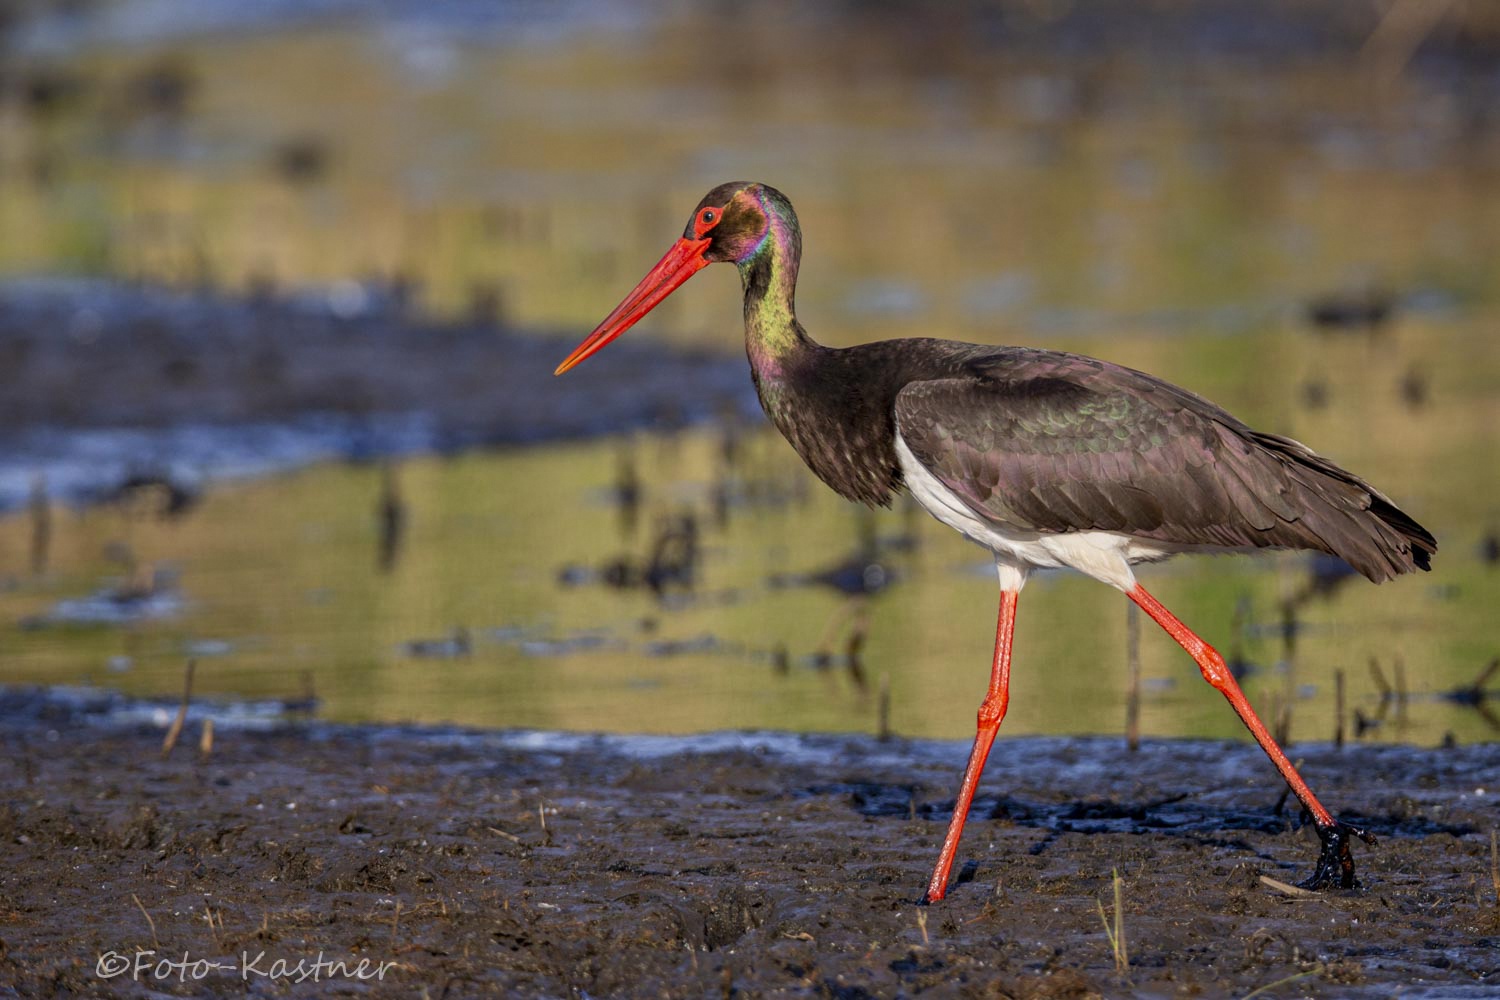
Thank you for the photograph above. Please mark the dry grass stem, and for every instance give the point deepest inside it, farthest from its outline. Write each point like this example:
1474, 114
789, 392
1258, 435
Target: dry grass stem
1287, 889
1315, 970
541, 815
155, 942
1115, 932
175, 730
208, 915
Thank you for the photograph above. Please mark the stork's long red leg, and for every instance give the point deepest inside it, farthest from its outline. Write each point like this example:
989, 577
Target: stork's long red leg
991, 711
1335, 863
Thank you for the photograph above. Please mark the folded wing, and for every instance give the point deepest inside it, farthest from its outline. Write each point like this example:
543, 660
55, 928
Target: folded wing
1048, 442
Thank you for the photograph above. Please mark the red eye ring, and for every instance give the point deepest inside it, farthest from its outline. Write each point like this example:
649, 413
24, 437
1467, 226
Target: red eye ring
706, 220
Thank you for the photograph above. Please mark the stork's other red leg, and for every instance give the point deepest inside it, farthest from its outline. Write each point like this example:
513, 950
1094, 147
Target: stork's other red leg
991, 711
1335, 862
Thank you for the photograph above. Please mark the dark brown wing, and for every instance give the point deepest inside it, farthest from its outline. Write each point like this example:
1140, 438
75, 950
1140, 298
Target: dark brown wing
1051, 442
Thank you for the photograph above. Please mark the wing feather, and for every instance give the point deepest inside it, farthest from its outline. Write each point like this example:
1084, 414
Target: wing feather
1047, 442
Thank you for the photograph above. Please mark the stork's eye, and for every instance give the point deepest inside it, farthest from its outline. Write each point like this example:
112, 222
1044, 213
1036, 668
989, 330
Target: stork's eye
707, 219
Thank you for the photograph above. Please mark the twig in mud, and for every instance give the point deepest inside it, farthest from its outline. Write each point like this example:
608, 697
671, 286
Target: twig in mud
155, 943
206, 741
992, 904
1315, 970
501, 833
1286, 889
541, 814
208, 915
1116, 933
922, 924
175, 730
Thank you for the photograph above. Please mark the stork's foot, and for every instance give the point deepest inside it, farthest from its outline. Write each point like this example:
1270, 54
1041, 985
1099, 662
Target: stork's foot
1335, 860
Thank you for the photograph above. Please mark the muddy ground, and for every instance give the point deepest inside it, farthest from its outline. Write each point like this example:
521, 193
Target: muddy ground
466, 863
202, 385
78, 353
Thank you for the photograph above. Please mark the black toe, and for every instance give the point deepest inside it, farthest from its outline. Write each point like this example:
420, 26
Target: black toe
1335, 859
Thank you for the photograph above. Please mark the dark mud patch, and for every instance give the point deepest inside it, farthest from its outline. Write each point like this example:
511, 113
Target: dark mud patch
533, 864
1175, 813
100, 380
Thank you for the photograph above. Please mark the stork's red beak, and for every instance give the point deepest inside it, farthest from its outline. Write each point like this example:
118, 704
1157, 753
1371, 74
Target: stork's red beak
680, 263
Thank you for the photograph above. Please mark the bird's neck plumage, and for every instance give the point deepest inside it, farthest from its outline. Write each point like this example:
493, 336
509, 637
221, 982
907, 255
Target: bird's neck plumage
833, 406
774, 340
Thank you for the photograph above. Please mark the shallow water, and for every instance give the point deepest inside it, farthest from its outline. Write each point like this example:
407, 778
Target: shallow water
1188, 217
496, 610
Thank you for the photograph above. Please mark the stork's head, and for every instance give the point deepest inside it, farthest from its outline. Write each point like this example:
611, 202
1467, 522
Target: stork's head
732, 223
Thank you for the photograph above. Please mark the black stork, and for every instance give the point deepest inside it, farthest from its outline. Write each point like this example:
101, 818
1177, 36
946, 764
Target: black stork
1046, 459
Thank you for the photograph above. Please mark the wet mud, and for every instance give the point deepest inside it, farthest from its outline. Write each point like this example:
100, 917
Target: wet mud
460, 863
154, 357
100, 380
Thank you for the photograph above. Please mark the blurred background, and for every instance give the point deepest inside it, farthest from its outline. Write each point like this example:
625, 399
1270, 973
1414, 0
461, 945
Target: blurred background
282, 285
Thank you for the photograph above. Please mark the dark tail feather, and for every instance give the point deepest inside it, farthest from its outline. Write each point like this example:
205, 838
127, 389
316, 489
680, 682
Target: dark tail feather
1420, 545
1356, 522
1372, 534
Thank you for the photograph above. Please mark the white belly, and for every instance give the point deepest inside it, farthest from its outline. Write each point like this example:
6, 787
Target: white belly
1104, 555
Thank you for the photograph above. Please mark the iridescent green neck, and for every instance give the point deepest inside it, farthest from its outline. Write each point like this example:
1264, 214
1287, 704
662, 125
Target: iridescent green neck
769, 276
